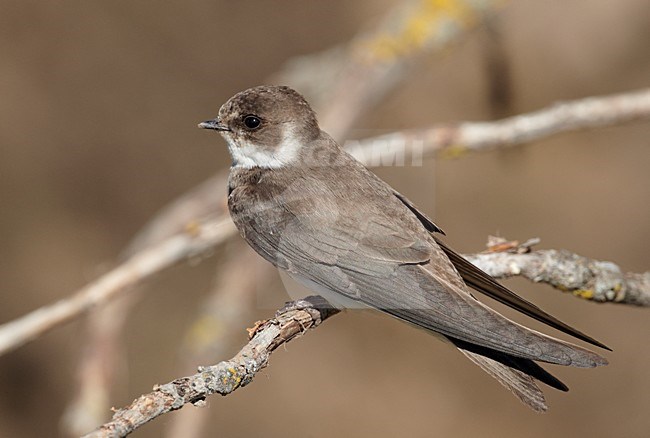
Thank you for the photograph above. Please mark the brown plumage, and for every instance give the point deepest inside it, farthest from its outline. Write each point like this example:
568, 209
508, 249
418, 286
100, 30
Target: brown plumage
311, 209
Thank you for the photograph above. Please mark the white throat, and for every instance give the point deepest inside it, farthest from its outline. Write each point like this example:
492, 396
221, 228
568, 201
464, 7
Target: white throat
247, 155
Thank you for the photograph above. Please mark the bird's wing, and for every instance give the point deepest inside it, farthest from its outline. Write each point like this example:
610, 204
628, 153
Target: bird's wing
485, 284
419, 295
384, 261
423, 218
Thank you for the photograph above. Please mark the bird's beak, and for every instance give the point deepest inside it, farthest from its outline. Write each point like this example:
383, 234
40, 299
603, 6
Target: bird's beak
214, 124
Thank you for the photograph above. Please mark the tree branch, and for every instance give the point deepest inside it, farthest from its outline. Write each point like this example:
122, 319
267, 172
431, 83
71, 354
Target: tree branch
294, 319
593, 280
382, 59
343, 82
195, 240
592, 112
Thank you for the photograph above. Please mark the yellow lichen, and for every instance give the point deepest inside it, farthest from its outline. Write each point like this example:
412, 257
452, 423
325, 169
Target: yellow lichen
429, 23
587, 294
233, 377
453, 151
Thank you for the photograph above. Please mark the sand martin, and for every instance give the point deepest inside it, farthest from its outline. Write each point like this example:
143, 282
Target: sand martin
312, 210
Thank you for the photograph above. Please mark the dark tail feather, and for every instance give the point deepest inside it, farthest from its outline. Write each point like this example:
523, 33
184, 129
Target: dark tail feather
525, 366
521, 385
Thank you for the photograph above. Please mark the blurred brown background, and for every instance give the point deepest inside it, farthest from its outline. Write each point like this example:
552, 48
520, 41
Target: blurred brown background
98, 111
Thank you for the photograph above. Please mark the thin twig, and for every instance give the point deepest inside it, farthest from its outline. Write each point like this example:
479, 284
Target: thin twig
201, 203
170, 251
99, 367
380, 60
225, 377
593, 280
589, 113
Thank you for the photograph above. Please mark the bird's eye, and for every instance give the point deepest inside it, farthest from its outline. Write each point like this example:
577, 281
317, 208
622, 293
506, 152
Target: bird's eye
252, 122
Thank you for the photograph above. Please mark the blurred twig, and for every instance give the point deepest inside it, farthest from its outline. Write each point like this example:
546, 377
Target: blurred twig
589, 279
190, 243
589, 113
98, 364
377, 61
216, 329
204, 201
497, 69
98, 367
225, 377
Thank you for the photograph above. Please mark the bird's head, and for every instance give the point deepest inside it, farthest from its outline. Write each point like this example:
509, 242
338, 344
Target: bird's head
265, 126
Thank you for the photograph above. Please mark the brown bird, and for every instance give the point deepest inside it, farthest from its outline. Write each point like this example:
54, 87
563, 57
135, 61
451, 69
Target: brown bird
311, 209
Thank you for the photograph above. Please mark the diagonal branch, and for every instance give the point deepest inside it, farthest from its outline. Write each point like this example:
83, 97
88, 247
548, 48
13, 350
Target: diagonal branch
225, 377
190, 243
377, 62
589, 113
